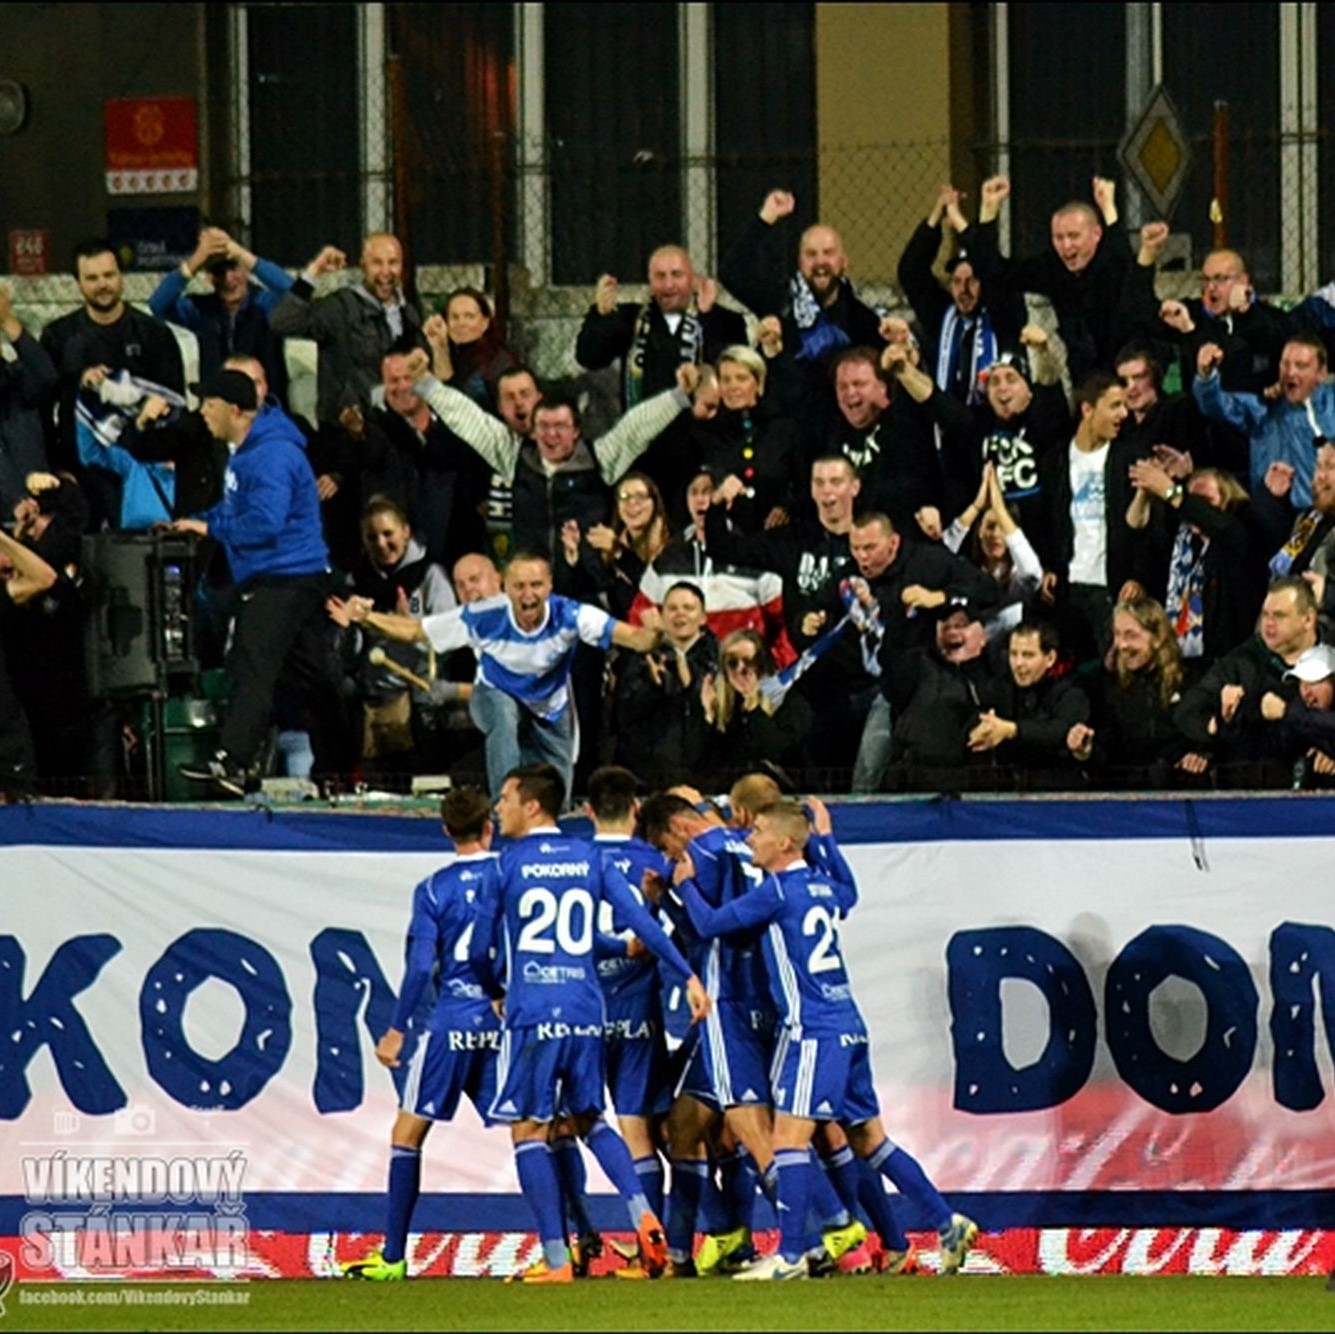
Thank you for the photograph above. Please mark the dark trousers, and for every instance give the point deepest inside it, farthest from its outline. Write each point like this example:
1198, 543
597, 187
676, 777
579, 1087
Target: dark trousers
282, 634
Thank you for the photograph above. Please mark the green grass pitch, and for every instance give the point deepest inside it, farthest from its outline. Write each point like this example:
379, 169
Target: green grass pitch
965, 1303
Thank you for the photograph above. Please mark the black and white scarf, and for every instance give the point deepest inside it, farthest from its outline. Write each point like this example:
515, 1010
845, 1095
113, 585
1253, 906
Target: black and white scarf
690, 338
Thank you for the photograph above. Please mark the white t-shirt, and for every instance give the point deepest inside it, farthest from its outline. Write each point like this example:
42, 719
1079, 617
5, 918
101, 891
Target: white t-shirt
1089, 516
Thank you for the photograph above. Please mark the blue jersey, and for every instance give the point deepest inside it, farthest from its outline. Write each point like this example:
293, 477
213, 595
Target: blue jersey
625, 980
542, 916
733, 968
439, 940
800, 907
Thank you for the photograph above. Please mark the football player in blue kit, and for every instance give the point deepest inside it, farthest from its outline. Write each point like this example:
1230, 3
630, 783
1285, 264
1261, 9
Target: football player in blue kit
538, 919
458, 1047
636, 1052
823, 1062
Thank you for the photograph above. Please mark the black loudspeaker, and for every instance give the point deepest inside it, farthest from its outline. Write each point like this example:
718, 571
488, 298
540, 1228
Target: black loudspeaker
139, 592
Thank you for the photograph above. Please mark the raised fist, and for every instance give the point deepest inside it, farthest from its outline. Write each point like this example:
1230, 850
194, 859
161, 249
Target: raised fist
1208, 359
1105, 197
688, 378
769, 336
1034, 335
605, 294
329, 260
706, 294
1240, 297
778, 204
436, 331
418, 363
993, 193
1176, 316
1152, 237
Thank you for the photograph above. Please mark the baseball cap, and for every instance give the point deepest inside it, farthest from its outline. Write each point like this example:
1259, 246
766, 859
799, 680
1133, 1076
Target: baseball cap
953, 604
1314, 664
234, 387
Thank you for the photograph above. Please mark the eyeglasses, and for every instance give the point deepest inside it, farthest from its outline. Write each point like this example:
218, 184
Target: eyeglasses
731, 662
628, 496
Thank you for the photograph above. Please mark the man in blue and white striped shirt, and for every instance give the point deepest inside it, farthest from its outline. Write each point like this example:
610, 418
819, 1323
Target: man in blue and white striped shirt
525, 641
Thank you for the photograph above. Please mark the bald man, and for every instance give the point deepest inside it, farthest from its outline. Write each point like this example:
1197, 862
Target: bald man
680, 322
354, 326
818, 312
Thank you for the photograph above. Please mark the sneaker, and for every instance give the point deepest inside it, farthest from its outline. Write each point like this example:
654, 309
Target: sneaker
772, 1267
819, 1264
585, 1249
376, 1269
653, 1244
680, 1269
542, 1273
891, 1262
626, 1250
718, 1248
221, 771
857, 1261
633, 1269
839, 1241
956, 1242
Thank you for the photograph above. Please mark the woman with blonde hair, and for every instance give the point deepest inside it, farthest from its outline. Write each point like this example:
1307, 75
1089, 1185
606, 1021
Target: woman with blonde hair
750, 440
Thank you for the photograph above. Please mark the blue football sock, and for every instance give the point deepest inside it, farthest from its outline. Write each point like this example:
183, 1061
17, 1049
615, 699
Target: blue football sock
537, 1179
714, 1214
905, 1174
793, 1169
826, 1201
405, 1181
689, 1176
650, 1172
737, 1182
880, 1209
573, 1180
769, 1184
614, 1158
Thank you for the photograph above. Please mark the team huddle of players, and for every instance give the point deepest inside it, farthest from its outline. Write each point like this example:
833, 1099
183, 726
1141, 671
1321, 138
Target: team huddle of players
691, 968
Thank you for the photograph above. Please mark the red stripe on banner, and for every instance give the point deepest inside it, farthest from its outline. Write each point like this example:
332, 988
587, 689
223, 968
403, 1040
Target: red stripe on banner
1073, 1251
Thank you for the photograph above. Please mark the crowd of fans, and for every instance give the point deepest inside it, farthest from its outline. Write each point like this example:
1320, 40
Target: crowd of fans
873, 553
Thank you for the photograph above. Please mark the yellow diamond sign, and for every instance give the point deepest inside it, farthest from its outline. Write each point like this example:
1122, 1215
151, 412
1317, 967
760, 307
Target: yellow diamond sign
1155, 153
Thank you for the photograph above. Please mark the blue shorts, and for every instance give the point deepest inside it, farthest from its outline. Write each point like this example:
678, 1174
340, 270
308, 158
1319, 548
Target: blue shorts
637, 1060
447, 1064
824, 1076
549, 1070
730, 1065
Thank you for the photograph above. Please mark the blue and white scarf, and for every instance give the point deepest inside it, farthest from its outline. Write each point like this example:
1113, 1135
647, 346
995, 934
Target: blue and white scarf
950, 347
1186, 590
775, 688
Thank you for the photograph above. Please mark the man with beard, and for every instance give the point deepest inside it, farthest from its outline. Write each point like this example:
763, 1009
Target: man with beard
1229, 716
355, 326
1285, 429
105, 331
1130, 740
964, 333
820, 312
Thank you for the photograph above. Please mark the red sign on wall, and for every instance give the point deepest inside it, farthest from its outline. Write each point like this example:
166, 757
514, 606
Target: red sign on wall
29, 251
152, 146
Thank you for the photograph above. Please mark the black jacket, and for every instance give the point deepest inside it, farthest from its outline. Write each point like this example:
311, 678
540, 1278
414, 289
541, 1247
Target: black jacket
25, 385
662, 729
763, 449
137, 342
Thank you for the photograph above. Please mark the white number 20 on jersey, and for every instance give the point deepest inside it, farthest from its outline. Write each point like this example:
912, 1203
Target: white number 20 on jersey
550, 921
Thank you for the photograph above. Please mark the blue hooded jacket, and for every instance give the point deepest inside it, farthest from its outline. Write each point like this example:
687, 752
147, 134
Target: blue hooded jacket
268, 520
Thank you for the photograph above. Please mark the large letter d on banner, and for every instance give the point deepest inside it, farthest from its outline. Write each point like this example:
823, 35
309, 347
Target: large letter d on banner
985, 1080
